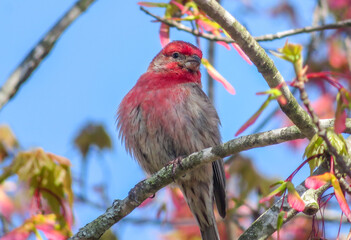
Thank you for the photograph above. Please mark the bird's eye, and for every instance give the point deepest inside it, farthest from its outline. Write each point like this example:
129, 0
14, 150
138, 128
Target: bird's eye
175, 55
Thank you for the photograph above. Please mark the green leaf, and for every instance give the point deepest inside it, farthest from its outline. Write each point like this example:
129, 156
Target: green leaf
44, 172
318, 146
92, 135
280, 220
290, 52
8, 141
277, 192
249, 179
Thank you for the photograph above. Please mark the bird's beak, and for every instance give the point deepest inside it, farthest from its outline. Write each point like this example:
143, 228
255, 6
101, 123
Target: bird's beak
192, 63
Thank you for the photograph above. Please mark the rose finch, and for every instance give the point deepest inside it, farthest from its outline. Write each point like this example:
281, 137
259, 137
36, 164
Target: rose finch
166, 116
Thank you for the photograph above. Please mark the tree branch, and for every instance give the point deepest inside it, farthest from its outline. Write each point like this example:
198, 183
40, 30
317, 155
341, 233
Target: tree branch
336, 25
264, 64
150, 186
267, 37
39, 52
266, 224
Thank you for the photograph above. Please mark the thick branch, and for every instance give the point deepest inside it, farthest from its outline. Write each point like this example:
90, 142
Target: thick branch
39, 52
267, 37
264, 64
150, 186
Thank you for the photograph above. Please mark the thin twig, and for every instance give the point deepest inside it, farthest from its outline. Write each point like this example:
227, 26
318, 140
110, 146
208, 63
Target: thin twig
337, 25
210, 81
267, 37
39, 52
322, 132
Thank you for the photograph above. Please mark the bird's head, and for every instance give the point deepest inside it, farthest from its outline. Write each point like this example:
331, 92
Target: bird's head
177, 57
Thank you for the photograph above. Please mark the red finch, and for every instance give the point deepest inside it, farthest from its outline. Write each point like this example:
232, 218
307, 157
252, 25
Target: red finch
167, 116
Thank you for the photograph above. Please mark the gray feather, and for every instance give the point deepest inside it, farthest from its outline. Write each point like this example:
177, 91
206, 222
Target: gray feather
219, 187
210, 233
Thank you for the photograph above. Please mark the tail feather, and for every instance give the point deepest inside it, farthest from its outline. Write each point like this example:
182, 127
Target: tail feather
210, 233
198, 192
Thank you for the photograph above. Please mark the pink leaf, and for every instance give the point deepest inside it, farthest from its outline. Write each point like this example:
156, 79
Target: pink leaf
50, 232
253, 119
218, 77
340, 121
152, 4
294, 198
224, 45
146, 202
282, 100
6, 204
248, 123
206, 26
241, 53
316, 182
17, 233
68, 214
164, 34
341, 198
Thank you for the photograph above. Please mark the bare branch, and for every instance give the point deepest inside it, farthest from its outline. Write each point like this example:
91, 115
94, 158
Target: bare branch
39, 52
270, 37
150, 186
267, 37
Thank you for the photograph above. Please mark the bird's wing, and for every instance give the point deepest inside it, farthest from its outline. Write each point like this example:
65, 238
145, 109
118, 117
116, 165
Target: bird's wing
219, 186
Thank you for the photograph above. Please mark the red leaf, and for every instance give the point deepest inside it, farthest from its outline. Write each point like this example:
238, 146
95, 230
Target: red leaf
337, 56
241, 53
340, 121
146, 202
316, 182
68, 214
206, 26
294, 198
6, 204
164, 34
341, 198
248, 123
50, 232
16, 234
252, 119
152, 4
218, 77
224, 45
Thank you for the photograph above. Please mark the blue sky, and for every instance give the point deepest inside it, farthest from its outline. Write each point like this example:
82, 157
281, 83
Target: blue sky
98, 60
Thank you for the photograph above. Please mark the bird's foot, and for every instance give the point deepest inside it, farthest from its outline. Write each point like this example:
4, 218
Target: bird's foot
176, 162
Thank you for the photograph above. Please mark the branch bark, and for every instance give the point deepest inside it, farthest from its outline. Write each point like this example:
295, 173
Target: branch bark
264, 64
148, 187
39, 52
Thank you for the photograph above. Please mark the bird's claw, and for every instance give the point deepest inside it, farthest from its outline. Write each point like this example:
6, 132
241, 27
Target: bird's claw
176, 162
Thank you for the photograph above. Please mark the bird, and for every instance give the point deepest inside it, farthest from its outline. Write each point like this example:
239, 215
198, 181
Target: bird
167, 116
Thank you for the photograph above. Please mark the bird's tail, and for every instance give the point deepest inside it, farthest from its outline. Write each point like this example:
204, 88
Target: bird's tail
198, 192
210, 233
